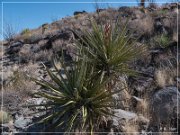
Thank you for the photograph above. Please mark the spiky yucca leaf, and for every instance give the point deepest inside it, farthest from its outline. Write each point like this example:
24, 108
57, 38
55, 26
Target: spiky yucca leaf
76, 101
109, 48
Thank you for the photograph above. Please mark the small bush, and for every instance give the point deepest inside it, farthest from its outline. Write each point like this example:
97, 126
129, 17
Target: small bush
77, 16
44, 27
43, 56
165, 77
162, 40
25, 31
159, 13
20, 84
26, 34
9, 31
130, 128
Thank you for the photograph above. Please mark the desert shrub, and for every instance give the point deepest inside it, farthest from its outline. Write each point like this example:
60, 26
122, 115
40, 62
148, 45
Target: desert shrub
142, 107
166, 73
34, 38
32, 69
159, 13
77, 16
25, 31
26, 34
9, 31
122, 99
43, 56
165, 76
20, 84
130, 128
142, 28
162, 40
44, 27
34, 53
57, 45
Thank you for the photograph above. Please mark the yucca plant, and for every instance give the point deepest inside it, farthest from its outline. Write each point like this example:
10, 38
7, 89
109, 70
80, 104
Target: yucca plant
109, 48
75, 101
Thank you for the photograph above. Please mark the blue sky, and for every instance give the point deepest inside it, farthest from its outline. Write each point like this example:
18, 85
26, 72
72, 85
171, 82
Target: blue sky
32, 15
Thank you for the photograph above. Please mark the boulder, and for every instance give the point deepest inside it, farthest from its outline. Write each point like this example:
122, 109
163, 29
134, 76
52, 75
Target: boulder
125, 116
164, 107
14, 48
22, 122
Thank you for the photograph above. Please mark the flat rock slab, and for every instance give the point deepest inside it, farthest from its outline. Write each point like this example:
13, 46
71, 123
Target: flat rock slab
22, 122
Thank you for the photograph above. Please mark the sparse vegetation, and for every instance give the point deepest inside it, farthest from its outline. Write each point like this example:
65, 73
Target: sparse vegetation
143, 108
162, 40
77, 16
20, 83
9, 31
159, 13
44, 27
130, 128
165, 77
4, 117
26, 34
25, 31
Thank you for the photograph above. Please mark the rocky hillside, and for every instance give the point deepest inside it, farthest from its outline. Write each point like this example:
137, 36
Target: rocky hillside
155, 28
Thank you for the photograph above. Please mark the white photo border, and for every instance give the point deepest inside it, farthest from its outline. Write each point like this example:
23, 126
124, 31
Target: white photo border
29, 2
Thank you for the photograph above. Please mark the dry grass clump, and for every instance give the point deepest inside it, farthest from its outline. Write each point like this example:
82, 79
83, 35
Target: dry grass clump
41, 43
143, 108
130, 128
57, 45
1, 51
144, 26
20, 83
25, 55
44, 56
4, 117
124, 96
165, 77
26, 34
32, 69
162, 41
